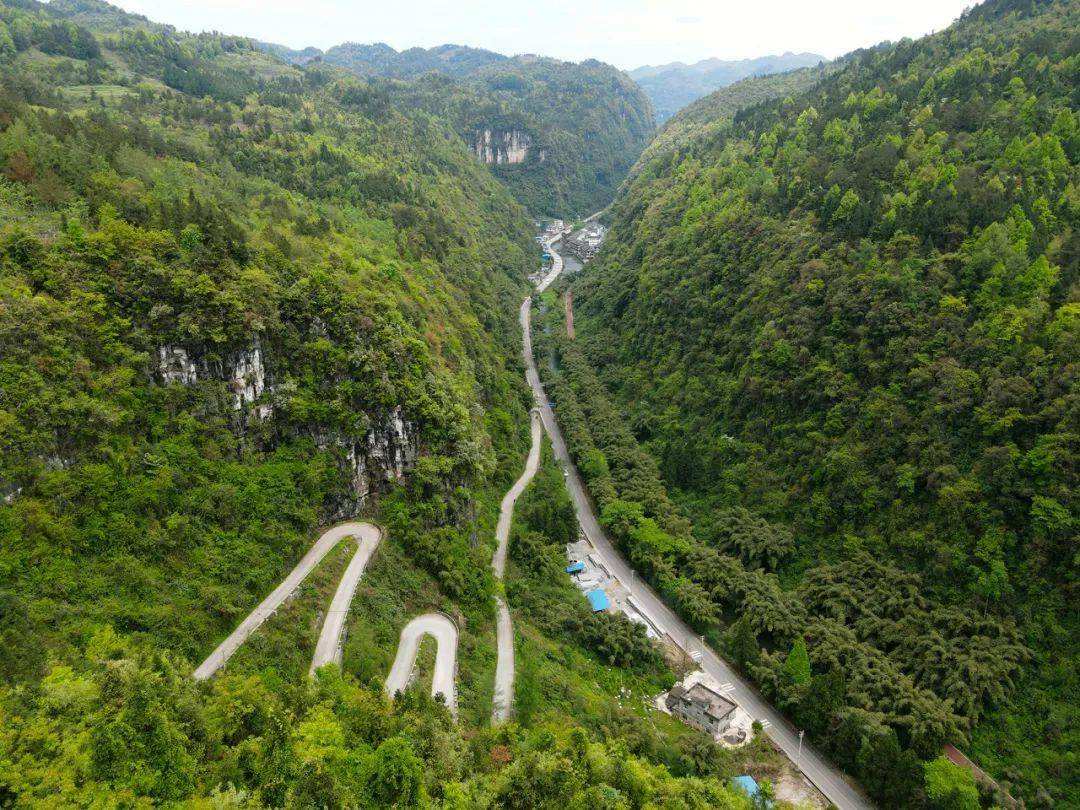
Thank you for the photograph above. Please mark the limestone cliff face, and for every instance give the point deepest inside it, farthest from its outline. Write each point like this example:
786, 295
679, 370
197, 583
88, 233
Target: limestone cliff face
370, 461
380, 457
504, 147
242, 371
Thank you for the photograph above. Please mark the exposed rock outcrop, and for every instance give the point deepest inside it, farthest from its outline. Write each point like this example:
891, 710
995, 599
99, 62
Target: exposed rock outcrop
243, 372
371, 460
175, 367
504, 147
382, 456
248, 382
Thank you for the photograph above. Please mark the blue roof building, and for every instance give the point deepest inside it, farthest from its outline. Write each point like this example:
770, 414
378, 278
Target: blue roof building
599, 600
575, 567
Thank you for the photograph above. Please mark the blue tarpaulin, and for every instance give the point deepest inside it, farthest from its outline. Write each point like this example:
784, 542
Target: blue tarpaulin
575, 568
599, 601
747, 784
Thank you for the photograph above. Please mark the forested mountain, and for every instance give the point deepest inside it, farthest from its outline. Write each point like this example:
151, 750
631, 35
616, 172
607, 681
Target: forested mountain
382, 60
240, 300
562, 136
673, 86
292, 56
844, 326
716, 110
379, 59
578, 129
220, 276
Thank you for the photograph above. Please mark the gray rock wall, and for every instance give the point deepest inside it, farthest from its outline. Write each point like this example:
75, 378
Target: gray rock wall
371, 461
498, 147
382, 456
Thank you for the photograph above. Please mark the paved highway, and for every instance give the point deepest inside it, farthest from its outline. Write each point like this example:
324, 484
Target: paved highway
266, 608
328, 648
444, 631
819, 770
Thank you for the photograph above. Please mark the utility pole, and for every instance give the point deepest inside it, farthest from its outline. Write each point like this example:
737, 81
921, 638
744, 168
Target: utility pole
798, 759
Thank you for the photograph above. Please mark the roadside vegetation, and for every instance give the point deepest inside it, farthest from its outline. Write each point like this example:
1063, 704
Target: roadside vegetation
722, 578
285, 643
599, 671
396, 589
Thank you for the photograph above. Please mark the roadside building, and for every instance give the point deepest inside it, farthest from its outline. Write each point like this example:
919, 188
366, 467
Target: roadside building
701, 707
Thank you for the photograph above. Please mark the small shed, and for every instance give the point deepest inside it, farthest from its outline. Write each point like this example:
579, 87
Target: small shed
599, 600
575, 567
747, 784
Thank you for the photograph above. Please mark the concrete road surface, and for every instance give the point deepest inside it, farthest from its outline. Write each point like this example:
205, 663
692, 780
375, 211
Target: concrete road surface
445, 633
819, 770
556, 267
506, 510
504, 668
266, 608
503, 699
328, 648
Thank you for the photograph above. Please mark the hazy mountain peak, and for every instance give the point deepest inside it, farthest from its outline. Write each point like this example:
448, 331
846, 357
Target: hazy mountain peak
672, 86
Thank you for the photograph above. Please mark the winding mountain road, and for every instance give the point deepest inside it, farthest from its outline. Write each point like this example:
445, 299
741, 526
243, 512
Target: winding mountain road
816, 767
504, 668
265, 609
328, 648
819, 770
444, 631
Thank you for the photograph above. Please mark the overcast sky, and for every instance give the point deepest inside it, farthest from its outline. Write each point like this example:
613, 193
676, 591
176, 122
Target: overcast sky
626, 33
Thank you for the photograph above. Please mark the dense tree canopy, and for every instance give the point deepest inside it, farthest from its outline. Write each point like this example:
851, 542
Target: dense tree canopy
586, 123
224, 283
851, 313
366, 261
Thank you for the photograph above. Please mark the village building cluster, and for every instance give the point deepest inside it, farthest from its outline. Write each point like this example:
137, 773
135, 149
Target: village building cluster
585, 243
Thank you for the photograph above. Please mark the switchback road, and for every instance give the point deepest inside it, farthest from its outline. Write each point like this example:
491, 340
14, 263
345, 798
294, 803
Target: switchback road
265, 609
444, 631
328, 648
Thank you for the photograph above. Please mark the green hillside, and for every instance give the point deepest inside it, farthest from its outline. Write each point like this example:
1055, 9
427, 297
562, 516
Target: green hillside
364, 263
382, 60
713, 113
239, 301
843, 325
574, 129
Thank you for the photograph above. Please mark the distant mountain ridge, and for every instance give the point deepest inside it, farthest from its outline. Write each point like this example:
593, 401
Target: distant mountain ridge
380, 59
561, 135
672, 86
